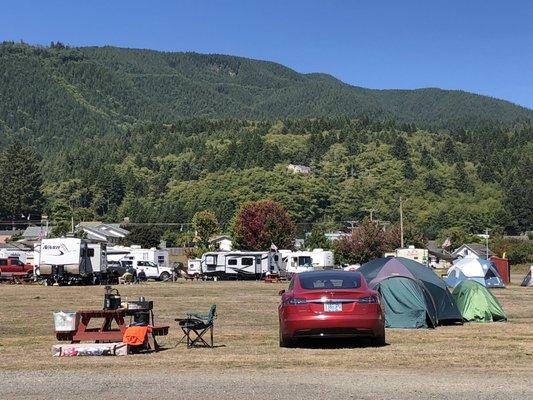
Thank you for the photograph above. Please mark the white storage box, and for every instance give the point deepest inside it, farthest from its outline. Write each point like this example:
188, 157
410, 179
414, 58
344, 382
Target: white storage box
90, 349
66, 321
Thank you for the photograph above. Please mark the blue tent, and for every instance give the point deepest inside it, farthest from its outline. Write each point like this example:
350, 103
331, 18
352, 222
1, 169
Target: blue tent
474, 269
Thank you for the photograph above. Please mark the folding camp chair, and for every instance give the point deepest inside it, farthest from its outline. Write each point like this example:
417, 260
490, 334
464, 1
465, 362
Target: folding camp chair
194, 327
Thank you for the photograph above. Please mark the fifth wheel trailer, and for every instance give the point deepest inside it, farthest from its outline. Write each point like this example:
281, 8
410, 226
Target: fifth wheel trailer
241, 264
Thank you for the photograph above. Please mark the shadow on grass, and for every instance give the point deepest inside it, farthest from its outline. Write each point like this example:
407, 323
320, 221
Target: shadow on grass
353, 343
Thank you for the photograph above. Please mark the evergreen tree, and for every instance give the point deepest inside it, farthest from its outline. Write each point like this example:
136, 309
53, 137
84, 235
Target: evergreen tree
425, 158
400, 149
408, 170
461, 179
20, 177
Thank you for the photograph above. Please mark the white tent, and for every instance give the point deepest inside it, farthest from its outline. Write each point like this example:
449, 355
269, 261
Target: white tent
528, 279
476, 269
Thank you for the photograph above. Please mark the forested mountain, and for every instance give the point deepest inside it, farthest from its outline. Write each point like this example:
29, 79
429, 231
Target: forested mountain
61, 92
112, 129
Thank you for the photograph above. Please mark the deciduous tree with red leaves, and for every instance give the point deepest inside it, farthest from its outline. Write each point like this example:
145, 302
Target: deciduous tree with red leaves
259, 224
366, 242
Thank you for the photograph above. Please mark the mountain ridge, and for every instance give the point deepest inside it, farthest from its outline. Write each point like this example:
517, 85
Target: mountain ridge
61, 89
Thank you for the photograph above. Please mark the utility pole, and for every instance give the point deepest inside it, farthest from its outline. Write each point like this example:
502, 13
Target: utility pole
487, 243
401, 222
371, 211
352, 225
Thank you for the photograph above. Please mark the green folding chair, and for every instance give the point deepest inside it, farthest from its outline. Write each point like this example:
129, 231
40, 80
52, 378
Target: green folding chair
195, 326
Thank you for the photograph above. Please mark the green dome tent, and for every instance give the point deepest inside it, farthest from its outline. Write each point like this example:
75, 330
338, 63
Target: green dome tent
476, 303
413, 296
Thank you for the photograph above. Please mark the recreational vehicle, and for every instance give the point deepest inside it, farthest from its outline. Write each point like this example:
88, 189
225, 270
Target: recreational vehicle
302, 261
71, 260
241, 264
154, 262
412, 253
22, 255
297, 261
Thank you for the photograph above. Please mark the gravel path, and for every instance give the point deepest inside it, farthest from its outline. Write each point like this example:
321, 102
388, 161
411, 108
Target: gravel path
238, 384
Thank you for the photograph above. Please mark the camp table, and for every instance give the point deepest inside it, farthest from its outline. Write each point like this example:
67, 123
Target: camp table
105, 332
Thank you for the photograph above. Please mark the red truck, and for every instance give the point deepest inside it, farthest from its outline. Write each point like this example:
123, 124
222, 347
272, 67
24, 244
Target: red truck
13, 268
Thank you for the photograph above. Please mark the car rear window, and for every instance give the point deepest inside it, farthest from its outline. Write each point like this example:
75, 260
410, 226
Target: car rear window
330, 280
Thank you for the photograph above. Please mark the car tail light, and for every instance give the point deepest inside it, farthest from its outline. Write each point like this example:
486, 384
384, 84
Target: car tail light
368, 300
296, 300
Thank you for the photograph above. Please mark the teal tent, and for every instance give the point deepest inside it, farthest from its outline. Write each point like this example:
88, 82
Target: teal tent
477, 303
413, 296
404, 303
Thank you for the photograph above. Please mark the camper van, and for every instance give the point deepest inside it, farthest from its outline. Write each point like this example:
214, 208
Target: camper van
71, 261
303, 261
154, 262
240, 264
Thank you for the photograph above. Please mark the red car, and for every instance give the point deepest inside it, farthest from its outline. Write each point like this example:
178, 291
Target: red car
331, 304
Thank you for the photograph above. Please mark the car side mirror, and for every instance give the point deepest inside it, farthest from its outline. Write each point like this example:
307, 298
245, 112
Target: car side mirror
281, 292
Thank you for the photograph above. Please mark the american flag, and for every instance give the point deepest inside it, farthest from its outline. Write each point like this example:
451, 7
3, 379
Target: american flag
447, 243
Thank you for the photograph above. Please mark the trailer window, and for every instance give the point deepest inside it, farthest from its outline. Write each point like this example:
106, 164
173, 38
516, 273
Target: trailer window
232, 262
160, 259
3, 262
247, 261
211, 260
90, 252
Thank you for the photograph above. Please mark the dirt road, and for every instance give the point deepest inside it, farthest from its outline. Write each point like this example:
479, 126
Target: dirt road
268, 385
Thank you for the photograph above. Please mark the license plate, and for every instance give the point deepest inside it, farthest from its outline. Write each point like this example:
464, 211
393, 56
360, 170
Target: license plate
333, 307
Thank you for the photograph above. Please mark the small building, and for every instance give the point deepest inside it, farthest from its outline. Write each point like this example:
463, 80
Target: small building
298, 169
222, 242
36, 233
472, 250
95, 230
7, 234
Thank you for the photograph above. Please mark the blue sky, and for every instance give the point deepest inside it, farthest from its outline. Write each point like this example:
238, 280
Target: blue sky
480, 46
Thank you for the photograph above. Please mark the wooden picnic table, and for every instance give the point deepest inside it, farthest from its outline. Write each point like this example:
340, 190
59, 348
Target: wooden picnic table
105, 332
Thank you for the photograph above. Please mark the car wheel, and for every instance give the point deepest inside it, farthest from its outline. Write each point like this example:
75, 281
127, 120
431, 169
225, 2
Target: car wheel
165, 276
284, 341
378, 341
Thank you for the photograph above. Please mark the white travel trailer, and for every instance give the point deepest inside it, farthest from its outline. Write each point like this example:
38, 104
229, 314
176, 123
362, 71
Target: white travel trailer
154, 262
157, 256
25, 256
302, 261
323, 259
241, 264
70, 260
295, 262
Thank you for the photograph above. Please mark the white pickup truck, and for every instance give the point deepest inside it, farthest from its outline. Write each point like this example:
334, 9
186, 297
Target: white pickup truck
151, 269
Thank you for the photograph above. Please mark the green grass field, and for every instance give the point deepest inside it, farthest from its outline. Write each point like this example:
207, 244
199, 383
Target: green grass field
246, 333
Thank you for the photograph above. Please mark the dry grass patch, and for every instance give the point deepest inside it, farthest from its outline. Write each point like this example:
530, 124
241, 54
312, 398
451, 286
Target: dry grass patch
247, 332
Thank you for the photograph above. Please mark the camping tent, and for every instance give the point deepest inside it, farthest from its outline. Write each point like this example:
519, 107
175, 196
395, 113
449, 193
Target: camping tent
476, 269
476, 303
528, 279
413, 295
